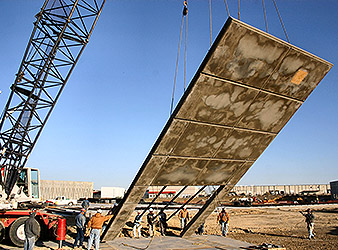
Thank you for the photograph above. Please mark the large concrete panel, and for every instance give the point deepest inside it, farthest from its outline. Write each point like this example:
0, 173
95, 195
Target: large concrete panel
247, 88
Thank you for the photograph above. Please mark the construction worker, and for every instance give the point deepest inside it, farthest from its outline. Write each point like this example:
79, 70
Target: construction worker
95, 224
32, 231
80, 221
163, 222
309, 219
85, 203
200, 229
223, 219
151, 222
137, 225
183, 215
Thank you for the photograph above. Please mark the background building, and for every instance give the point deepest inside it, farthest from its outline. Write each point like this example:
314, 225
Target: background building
320, 189
112, 192
69, 189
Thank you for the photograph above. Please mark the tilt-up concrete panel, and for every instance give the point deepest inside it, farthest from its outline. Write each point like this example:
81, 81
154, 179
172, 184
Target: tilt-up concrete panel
247, 88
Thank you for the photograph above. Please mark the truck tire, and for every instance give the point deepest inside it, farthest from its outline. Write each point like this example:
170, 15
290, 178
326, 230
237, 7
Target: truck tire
70, 204
2, 231
17, 231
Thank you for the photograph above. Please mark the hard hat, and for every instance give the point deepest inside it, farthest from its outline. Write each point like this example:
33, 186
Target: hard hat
150, 210
99, 211
83, 210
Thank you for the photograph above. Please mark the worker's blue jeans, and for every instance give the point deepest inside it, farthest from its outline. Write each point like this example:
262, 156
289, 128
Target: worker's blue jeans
79, 236
224, 227
29, 243
310, 227
184, 222
94, 235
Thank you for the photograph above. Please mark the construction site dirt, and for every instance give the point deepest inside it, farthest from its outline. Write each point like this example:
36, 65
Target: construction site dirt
283, 226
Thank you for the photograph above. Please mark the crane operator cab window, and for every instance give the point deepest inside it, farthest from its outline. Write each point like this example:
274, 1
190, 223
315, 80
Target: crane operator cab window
35, 183
22, 182
28, 182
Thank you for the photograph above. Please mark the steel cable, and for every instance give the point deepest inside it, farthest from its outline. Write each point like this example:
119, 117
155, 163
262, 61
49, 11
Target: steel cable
266, 21
185, 13
281, 21
226, 6
210, 22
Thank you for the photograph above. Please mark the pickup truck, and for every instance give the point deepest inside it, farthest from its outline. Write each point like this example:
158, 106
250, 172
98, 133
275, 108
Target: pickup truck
62, 201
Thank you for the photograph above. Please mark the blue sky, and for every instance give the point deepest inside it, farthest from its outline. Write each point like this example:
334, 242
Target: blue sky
117, 100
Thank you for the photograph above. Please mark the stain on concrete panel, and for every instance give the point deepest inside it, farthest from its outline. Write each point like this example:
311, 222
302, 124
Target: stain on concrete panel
218, 172
217, 102
171, 137
245, 56
244, 145
268, 113
200, 140
297, 61
152, 168
179, 171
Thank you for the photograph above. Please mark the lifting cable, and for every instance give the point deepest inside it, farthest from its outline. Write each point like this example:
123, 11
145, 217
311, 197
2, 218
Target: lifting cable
226, 6
184, 16
239, 17
185, 13
266, 21
210, 22
281, 21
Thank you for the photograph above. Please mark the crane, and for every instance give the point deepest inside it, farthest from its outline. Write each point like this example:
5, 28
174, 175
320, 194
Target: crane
61, 32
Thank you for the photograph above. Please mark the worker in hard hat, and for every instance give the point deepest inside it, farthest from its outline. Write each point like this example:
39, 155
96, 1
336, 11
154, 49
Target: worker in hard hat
223, 219
95, 224
163, 222
80, 221
151, 222
137, 225
183, 215
309, 219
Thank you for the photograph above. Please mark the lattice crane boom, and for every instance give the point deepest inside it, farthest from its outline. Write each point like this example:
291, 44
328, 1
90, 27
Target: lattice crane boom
60, 34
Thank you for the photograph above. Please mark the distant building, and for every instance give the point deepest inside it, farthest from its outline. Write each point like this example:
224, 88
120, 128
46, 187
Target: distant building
319, 189
112, 192
69, 189
334, 190
171, 191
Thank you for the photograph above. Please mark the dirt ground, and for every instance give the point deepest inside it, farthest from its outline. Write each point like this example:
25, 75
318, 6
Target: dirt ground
283, 226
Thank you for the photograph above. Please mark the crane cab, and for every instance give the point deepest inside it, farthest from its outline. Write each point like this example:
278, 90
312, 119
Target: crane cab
26, 190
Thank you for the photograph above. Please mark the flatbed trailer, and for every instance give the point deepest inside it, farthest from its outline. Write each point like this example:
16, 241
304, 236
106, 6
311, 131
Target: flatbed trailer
12, 224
